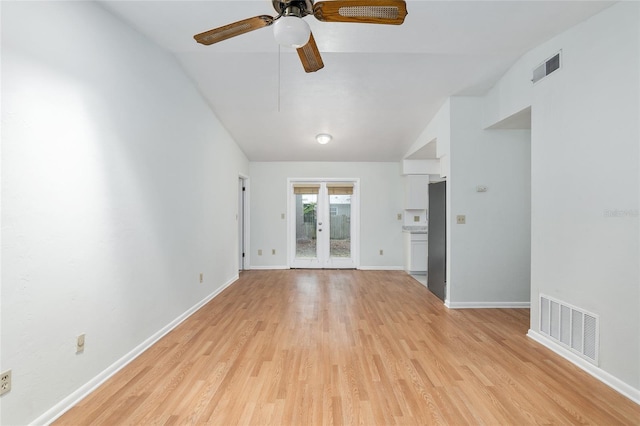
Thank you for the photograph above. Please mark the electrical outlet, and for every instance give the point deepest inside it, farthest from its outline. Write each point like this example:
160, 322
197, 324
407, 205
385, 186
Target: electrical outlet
80, 343
381, 252
273, 251
399, 216
201, 277
5, 382
416, 218
281, 215
259, 252
461, 219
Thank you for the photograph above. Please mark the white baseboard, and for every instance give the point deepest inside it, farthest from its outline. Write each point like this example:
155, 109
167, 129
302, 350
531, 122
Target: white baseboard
270, 267
606, 378
487, 305
363, 268
381, 268
74, 398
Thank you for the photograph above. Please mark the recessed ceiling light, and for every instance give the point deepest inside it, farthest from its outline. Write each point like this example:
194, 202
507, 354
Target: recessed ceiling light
323, 138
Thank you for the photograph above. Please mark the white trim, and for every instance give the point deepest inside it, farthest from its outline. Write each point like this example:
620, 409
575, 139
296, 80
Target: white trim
247, 222
361, 268
240, 224
606, 378
83, 391
381, 268
487, 305
267, 267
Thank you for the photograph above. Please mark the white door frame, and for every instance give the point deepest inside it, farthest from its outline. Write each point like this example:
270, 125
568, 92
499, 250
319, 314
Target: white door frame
354, 260
243, 223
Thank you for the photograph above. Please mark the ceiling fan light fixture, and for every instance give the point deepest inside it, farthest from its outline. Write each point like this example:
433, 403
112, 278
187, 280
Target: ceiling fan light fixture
291, 31
323, 138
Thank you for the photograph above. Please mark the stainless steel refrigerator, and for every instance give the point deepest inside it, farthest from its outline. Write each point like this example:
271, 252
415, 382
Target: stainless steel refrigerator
437, 242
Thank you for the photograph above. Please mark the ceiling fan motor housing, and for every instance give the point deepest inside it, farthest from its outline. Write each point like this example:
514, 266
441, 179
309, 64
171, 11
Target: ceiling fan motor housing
299, 8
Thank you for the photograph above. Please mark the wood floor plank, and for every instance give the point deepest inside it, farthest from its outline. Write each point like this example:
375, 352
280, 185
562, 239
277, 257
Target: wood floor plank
296, 347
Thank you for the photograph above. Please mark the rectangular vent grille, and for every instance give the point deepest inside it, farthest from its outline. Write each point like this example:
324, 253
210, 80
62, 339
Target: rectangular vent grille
574, 328
547, 67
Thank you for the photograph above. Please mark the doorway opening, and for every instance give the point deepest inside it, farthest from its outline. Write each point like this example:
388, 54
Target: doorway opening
243, 223
323, 223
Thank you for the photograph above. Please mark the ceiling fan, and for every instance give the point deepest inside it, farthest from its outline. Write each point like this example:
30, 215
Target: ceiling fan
291, 30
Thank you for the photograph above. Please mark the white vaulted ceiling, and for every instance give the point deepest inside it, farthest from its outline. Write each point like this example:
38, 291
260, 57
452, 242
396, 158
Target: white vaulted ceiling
380, 86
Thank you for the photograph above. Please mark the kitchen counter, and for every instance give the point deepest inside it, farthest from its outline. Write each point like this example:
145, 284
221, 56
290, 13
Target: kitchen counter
415, 229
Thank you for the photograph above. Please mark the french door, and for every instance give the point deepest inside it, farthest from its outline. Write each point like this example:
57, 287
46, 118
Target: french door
323, 223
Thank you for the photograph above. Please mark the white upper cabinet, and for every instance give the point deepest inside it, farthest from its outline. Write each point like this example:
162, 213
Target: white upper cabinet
416, 192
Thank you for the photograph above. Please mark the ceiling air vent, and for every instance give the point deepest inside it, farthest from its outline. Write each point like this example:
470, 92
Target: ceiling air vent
546, 68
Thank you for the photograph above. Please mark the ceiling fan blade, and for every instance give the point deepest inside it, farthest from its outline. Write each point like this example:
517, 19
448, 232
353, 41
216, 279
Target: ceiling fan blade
361, 11
237, 28
310, 56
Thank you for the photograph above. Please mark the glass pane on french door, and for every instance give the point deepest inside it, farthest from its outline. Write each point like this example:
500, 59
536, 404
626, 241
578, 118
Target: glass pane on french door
340, 226
306, 225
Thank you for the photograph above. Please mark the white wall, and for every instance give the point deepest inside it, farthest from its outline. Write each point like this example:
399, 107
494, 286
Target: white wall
381, 199
585, 179
489, 256
585, 182
119, 188
438, 128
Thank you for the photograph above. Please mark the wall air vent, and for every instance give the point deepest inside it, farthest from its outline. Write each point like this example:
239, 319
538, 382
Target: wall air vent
574, 328
546, 68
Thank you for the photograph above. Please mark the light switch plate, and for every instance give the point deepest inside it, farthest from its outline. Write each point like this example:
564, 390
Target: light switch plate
80, 343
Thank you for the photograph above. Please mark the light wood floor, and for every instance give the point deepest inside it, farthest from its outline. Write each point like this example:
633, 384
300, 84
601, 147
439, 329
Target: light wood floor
349, 347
